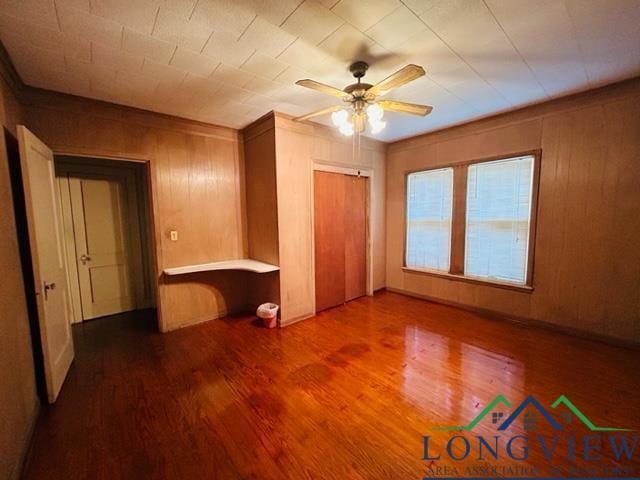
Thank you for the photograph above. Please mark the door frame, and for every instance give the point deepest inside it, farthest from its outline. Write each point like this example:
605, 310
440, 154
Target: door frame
139, 266
151, 208
355, 171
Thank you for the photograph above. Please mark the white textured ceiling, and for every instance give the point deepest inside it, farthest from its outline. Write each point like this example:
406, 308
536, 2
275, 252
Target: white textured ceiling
230, 61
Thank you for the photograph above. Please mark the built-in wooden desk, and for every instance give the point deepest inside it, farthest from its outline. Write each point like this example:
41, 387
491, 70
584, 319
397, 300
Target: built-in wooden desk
246, 264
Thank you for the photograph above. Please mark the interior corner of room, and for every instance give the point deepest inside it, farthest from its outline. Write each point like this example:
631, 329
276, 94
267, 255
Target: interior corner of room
109, 208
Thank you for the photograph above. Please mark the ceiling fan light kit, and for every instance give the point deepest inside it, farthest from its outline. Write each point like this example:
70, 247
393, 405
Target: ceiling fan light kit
361, 99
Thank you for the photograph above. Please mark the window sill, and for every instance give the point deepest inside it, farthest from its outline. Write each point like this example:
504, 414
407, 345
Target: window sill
477, 281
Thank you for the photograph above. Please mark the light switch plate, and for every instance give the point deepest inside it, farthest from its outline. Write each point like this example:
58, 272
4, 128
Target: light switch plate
173, 234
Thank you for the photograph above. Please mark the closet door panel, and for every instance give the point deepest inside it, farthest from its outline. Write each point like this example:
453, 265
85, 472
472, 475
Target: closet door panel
355, 237
329, 220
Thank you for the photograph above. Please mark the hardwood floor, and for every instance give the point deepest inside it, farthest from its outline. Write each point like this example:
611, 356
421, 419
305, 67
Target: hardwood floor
345, 395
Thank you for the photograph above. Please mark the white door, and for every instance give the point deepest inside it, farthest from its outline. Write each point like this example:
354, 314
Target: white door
38, 177
106, 278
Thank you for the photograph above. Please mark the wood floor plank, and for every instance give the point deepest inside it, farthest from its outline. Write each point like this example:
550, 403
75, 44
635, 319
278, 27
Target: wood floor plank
345, 395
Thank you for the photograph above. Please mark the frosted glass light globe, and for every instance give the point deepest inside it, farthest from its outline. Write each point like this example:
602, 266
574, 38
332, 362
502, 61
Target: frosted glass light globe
339, 118
377, 126
374, 112
346, 129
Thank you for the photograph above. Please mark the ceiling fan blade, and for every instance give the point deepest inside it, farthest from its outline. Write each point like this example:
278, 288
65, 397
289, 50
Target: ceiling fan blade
319, 112
404, 75
321, 87
403, 107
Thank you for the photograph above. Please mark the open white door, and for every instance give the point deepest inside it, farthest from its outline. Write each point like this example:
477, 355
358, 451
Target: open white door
38, 177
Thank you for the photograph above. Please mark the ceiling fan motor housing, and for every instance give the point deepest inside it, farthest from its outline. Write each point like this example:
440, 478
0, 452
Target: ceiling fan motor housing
357, 89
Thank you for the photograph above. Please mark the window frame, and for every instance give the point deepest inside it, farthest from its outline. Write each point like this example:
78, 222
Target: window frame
459, 222
406, 219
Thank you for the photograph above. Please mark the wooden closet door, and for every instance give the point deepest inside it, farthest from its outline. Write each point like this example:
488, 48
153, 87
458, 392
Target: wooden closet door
355, 237
329, 214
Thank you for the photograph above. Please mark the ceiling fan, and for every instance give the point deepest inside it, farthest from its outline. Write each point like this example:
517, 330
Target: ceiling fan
360, 100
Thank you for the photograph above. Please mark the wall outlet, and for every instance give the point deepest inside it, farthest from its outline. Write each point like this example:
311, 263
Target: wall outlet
173, 234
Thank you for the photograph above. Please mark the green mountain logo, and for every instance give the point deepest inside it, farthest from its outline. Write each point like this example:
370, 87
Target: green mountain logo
563, 400
530, 400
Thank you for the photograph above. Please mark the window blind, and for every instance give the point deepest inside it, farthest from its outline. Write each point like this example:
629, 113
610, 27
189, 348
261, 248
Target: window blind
429, 204
498, 218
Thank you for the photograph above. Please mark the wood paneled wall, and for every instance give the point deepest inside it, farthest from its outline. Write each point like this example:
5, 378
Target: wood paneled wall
260, 181
196, 173
262, 208
294, 174
587, 260
298, 147
18, 398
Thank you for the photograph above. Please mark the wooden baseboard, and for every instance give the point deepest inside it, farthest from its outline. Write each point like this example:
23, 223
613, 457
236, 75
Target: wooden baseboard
524, 321
310, 315
291, 321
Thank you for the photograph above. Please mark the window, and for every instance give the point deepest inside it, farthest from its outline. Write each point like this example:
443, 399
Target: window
498, 219
429, 211
474, 221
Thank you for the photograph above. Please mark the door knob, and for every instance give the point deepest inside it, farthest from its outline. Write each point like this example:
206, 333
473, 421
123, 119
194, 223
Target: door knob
85, 258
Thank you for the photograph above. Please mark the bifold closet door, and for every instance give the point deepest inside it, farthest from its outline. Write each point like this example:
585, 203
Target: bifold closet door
329, 213
355, 254
340, 238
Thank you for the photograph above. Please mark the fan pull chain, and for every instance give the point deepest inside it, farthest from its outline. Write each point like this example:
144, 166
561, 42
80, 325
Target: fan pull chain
355, 150
353, 147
